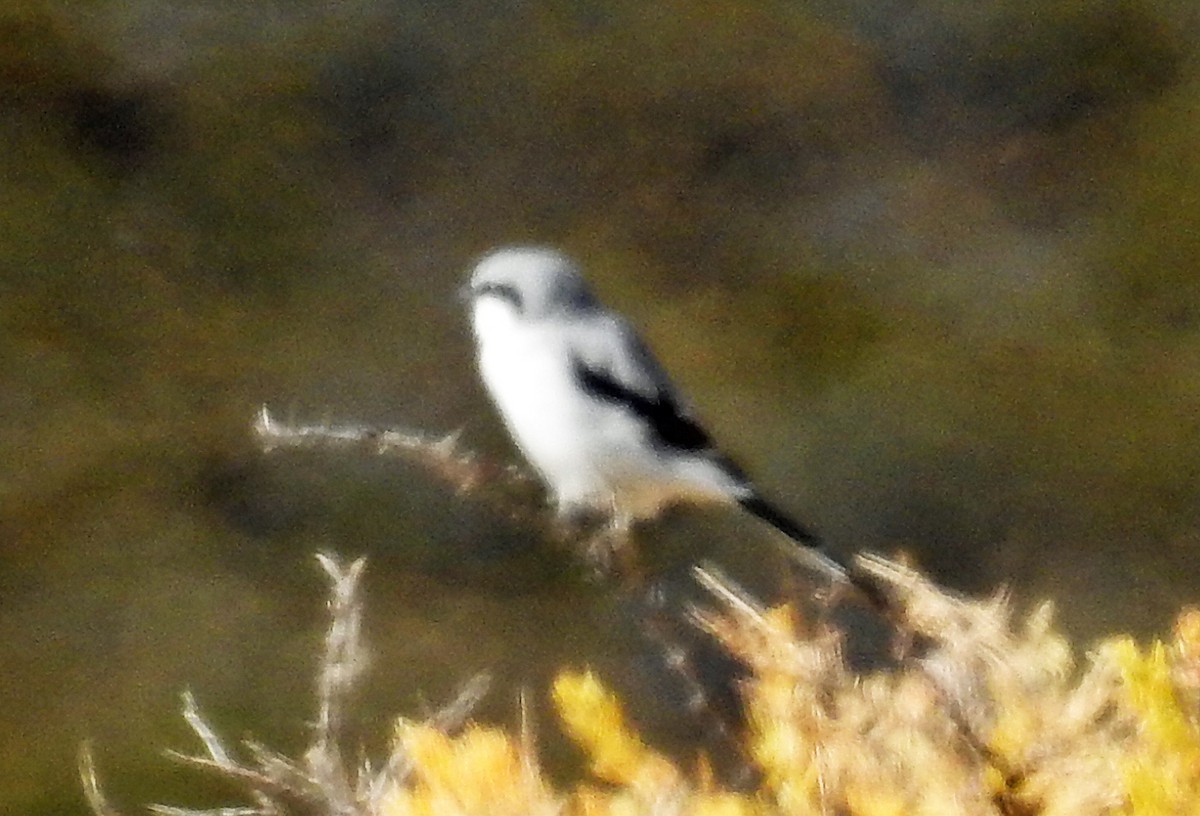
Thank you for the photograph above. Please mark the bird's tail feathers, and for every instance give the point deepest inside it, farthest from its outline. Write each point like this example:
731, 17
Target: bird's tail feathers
760, 508
812, 550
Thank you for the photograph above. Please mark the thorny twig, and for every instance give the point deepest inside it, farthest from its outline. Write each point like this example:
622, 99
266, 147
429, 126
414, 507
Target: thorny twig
320, 785
464, 470
91, 785
966, 643
343, 664
191, 713
970, 640
507, 488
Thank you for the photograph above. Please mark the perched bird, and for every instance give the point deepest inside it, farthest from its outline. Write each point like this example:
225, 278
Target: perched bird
587, 403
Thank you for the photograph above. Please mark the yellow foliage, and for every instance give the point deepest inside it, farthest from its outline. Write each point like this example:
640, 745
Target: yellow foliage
486, 771
990, 721
480, 771
1162, 774
592, 716
976, 718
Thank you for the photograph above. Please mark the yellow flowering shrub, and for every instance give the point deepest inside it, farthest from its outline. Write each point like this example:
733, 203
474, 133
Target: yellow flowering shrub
975, 717
479, 771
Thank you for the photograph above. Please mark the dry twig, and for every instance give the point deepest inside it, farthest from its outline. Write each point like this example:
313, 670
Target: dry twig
442, 455
321, 784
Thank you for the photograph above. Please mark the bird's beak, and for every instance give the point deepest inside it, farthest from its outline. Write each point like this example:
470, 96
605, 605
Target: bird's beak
466, 292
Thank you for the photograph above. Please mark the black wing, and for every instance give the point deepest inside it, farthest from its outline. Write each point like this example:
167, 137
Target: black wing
671, 426
611, 363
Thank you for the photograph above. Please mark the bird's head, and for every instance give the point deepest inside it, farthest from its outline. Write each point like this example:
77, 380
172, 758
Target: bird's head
530, 282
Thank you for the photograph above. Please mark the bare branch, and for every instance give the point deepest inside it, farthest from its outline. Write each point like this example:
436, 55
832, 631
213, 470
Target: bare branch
267, 780
91, 785
442, 455
345, 658
453, 714
212, 743
713, 579
343, 664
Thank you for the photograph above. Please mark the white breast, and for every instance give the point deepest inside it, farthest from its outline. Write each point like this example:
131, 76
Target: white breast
590, 452
526, 367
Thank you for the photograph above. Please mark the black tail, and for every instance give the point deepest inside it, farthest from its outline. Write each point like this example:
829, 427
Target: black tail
815, 552
760, 508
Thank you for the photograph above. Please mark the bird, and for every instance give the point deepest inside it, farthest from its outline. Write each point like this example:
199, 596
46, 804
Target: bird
588, 404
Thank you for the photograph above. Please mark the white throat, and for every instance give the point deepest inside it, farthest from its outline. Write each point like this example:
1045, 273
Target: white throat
494, 319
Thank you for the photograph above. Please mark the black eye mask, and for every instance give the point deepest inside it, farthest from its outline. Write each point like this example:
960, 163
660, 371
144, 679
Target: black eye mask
504, 291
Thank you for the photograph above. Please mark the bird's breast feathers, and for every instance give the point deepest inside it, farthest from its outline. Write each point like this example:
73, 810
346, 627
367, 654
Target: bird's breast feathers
590, 449
527, 370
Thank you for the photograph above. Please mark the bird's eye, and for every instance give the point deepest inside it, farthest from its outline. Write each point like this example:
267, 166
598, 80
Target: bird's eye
504, 291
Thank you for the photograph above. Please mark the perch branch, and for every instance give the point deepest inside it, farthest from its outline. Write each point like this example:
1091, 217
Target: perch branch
464, 470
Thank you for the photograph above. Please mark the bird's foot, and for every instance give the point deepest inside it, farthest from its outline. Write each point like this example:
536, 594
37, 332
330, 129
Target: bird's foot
604, 543
609, 552
604, 547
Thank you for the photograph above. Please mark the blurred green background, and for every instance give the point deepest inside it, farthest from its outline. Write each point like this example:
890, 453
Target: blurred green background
930, 270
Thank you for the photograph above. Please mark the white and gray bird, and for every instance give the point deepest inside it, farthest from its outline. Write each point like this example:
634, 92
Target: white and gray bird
587, 403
